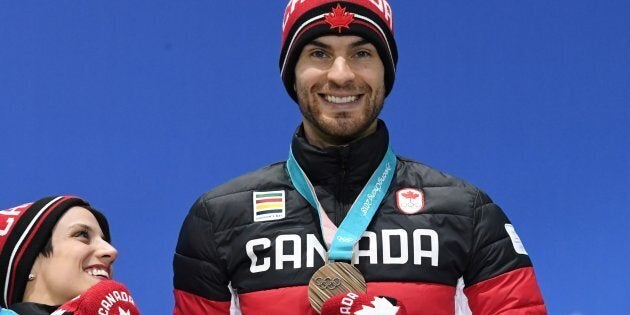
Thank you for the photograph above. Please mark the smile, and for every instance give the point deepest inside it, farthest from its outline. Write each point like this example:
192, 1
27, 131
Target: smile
341, 99
98, 272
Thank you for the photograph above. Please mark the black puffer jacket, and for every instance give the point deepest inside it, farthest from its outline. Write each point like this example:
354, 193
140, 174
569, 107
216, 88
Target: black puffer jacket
430, 230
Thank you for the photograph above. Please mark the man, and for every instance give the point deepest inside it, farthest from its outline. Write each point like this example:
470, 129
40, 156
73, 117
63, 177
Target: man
412, 232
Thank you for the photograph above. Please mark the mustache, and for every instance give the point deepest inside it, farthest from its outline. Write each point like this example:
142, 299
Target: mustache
332, 87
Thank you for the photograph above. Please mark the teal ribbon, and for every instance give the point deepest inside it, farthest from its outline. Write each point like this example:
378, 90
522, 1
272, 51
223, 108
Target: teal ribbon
362, 210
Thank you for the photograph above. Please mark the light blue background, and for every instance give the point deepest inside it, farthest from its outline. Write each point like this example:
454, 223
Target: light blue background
141, 106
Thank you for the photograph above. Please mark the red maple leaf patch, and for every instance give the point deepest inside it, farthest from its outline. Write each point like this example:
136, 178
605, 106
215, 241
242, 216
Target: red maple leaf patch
339, 18
410, 195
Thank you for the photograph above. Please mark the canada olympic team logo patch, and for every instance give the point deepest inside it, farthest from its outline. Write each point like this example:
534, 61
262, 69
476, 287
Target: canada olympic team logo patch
409, 200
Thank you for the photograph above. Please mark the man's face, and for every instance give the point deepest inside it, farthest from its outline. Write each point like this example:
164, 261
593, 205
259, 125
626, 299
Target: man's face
339, 81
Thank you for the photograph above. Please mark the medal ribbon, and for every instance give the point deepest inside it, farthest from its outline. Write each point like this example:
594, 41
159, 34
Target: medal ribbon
362, 210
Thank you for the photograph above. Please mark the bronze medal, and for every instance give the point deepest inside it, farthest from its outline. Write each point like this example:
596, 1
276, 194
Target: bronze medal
332, 279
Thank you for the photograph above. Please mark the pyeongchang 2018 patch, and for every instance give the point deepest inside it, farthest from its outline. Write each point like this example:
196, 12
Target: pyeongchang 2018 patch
269, 205
409, 200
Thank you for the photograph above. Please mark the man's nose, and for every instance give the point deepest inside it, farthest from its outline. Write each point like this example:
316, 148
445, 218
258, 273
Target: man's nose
340, 71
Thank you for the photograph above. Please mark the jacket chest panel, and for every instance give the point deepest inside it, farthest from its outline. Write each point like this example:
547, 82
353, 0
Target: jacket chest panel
396, 247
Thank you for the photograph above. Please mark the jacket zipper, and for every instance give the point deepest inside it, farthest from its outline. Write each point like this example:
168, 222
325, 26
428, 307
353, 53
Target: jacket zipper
342, 206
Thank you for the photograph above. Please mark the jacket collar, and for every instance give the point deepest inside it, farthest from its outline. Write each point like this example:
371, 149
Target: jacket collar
32, 308
355, 162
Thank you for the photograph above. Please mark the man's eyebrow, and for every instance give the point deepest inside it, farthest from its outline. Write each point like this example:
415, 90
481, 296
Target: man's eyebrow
360, 42
319, 44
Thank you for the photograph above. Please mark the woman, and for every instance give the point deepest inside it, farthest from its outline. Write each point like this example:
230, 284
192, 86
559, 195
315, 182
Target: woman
52, 251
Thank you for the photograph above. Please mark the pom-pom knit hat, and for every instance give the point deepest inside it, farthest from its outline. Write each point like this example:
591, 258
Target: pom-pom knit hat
305, 20
24, 232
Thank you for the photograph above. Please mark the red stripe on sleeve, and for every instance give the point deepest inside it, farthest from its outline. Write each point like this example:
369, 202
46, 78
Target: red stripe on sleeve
190, 304
515, 292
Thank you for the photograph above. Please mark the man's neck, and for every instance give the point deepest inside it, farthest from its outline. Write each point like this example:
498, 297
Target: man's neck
318, 139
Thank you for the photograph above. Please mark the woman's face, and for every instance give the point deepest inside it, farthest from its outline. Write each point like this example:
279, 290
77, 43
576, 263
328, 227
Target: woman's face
80, 258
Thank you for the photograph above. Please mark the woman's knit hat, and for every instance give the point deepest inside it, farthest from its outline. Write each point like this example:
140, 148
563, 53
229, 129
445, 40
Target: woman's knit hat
305, 20
24, 232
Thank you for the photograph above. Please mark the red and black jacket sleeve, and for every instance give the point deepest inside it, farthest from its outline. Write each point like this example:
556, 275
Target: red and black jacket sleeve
200, 281
499, 278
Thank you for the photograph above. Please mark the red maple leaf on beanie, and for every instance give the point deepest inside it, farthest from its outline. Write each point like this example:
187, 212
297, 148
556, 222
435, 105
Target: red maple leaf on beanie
339, 18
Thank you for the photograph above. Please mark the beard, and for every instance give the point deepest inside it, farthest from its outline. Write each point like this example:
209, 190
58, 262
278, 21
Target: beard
342, 127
